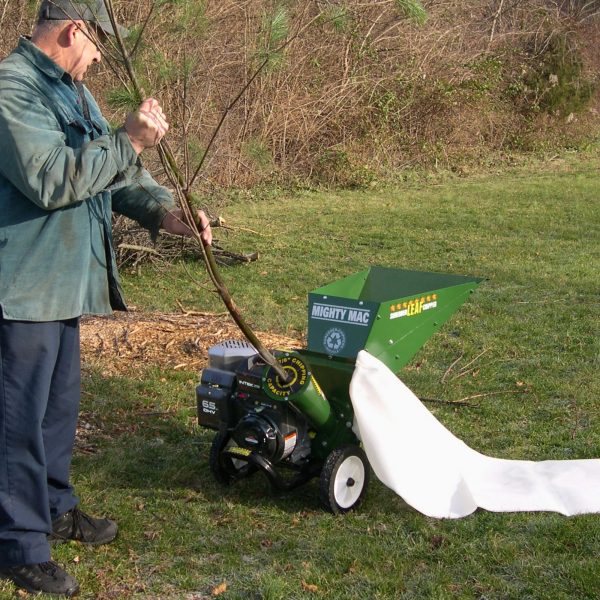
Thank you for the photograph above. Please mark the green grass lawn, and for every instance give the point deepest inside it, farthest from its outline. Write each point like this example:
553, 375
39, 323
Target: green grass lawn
533, 329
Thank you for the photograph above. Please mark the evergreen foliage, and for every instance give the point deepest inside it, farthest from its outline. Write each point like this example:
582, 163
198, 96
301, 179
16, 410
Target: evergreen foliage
413, 9
275, 30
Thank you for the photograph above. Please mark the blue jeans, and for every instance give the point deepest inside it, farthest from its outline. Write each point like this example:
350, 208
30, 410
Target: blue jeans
39, 404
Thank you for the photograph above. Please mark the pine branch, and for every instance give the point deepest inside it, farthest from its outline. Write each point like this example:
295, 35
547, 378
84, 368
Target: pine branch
245, 88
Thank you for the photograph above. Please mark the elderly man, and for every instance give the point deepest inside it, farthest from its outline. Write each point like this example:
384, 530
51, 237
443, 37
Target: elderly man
62, 173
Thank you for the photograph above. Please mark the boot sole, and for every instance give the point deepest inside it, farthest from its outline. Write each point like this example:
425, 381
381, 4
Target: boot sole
23, 585
54, 541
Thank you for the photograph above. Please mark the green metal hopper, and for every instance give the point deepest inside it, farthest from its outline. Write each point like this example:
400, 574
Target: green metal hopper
388, 312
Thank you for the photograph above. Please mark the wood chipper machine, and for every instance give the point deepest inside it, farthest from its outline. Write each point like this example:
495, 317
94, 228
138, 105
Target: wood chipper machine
302, 428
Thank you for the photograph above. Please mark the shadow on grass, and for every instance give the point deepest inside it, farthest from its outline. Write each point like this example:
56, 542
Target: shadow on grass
140, 436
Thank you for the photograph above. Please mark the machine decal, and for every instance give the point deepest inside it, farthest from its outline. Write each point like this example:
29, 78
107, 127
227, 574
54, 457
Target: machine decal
334, 340
209, 407
317, 387
239, 451
249, 384
297, 373
341, 314
413, 307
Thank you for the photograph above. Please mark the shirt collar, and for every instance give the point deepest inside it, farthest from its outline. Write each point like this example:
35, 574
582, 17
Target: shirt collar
41, 60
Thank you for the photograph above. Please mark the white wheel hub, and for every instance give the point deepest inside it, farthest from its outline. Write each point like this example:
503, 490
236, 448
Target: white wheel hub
349, 481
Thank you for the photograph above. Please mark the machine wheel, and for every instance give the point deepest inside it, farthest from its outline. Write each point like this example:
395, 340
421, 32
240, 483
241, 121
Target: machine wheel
226, 469
344, 479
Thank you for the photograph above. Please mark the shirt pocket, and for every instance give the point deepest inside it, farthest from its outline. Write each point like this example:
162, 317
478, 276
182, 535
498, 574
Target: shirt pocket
100, 124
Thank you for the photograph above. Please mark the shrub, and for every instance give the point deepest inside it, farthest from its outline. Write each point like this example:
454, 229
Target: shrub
556, 82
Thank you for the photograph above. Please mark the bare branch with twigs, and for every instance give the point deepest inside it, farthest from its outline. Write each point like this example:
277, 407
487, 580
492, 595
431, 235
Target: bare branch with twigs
449, 369
185, 197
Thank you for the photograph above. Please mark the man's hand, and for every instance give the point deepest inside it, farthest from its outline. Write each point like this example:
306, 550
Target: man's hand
173, 223
147, 126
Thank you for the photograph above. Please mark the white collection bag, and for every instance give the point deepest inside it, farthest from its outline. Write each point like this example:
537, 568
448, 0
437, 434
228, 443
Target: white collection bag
412, 453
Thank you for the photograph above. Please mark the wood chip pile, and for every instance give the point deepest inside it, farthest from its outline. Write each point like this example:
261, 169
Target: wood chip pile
126, 342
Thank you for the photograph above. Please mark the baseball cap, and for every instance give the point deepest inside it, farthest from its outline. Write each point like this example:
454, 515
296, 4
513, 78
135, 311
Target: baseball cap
92, 11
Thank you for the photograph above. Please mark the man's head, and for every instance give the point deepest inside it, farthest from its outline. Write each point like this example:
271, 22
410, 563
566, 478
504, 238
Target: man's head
68, 31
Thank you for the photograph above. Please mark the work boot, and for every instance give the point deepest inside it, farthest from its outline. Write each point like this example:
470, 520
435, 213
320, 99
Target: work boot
46, 577
76, 525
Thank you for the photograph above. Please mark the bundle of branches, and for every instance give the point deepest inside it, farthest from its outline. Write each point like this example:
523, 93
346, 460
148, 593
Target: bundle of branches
133, 248
178, 168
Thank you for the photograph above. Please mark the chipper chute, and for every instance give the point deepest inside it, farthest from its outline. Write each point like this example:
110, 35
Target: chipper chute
302, 428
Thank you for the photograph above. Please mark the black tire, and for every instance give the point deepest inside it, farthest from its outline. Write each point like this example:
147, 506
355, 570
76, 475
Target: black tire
344, 479
226, 469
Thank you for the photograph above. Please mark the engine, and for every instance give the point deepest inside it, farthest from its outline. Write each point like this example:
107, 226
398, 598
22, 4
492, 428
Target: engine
285, 429
231, 400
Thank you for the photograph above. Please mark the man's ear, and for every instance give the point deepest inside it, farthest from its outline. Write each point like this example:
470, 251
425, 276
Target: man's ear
72, 32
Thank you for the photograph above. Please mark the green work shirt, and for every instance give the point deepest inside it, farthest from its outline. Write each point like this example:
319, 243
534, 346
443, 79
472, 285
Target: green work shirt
62, 173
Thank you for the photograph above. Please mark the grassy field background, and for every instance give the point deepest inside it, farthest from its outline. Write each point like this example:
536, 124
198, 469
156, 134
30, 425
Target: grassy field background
532, 331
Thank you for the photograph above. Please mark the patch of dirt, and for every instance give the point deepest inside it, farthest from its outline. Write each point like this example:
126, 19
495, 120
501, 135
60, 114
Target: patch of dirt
126, 342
